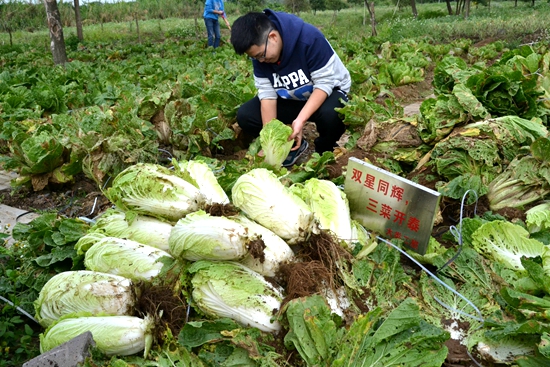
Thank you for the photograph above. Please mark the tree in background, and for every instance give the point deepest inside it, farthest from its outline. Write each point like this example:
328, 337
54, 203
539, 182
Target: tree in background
57, 44
16, 15
250, 5
401, 4
6, 13
367, 7
370, 8
296, 6
317, 5
78, 21
413, 7
335, 6
449, 7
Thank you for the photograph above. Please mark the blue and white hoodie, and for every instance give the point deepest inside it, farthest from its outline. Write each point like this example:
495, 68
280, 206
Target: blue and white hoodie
307, 61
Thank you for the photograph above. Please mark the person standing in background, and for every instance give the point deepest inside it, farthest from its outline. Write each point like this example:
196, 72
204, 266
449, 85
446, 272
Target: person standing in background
213, 9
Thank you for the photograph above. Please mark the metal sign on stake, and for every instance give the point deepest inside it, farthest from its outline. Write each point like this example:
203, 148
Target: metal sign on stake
389, 205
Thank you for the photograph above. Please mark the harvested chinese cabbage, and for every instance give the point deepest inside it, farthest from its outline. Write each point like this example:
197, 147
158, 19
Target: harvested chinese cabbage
275, 143
113, 335
127, 258
275, 253
200, 236
264, 199
230, 289
87, 241
151, 189
140, 228
199, 174
84, 291
329, 205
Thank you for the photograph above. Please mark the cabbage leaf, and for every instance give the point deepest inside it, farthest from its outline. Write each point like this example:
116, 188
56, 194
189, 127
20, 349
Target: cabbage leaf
506, 243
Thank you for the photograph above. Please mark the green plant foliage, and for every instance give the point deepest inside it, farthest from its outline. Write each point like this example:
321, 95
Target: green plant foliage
42, 248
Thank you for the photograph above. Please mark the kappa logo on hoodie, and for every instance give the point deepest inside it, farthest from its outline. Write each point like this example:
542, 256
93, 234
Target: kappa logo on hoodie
296, 85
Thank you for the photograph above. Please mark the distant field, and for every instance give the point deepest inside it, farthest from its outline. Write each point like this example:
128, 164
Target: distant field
502, 20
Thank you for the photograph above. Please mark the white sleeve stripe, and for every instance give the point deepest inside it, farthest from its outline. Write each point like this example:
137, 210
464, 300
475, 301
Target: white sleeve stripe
333, 74
265, 89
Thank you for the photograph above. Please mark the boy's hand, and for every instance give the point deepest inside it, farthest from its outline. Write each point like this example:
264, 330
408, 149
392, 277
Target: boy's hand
297, 133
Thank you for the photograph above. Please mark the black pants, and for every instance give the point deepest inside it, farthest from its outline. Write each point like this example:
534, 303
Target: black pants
329, 124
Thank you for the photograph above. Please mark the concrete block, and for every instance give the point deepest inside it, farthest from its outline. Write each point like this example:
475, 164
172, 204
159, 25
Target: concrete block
9, 216
70, 354
5, 178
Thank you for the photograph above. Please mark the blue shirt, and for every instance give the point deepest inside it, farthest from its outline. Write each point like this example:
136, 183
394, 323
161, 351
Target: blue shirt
210, 6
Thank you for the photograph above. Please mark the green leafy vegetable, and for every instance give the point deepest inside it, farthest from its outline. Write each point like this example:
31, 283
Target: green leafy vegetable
202, 176
525, 180
312, 331
230, 289
401, 338
275, 143
263, 198
123, 257
140, 228
506, 243
329, 205
154, 190
85, 291
113, 335
200, 236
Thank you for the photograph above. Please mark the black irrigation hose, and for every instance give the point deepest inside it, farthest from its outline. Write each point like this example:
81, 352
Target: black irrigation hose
23, 214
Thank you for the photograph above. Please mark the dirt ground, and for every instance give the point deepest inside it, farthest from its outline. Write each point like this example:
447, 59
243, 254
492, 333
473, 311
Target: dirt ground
82, 198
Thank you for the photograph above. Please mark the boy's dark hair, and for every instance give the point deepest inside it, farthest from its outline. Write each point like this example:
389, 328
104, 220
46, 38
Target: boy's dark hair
248, 30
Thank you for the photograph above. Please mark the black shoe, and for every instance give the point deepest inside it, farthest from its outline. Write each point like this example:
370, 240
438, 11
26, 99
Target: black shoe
295, 154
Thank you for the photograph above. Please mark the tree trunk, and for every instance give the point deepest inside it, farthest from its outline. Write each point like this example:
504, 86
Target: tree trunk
449, 8
57, 42
466, 9
413, 6
372, 18
515, 3
365, 12
78, 21
137, 27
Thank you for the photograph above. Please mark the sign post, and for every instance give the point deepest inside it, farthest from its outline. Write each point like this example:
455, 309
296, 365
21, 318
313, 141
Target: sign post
389, 205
